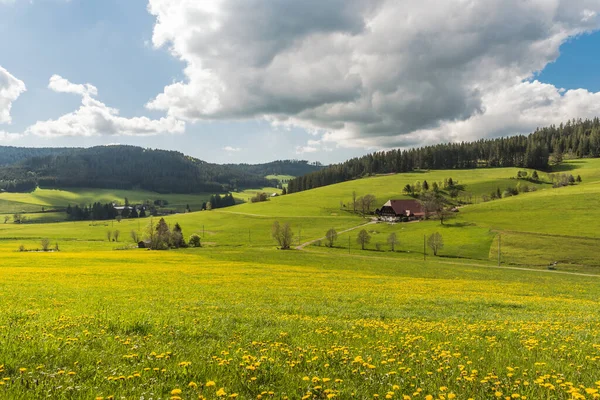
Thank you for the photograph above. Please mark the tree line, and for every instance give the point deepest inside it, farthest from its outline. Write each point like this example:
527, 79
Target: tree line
575, 139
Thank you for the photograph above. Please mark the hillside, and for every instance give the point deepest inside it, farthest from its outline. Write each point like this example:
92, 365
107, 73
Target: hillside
536, 228
344, 321
129, 167
206, 321
539, 150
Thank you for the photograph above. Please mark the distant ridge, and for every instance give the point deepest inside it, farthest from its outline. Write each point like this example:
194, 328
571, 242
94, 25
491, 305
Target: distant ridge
22, 169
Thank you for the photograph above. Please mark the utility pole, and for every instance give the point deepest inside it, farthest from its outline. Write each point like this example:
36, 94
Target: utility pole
348, 244
499, 249
424, 249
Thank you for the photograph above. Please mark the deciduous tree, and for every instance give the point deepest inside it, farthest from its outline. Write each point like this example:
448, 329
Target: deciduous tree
435, 242
331, 237
393, 241
282, 234
363, 238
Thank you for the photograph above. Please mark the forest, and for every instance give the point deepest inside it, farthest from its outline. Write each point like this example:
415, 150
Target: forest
573, 139
131, 167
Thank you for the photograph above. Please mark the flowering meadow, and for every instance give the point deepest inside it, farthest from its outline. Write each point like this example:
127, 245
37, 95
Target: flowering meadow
265, 324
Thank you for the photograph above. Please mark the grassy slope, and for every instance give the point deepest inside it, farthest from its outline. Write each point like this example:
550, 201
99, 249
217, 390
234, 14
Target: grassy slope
97, 316
537, 228
447, 325
53, 198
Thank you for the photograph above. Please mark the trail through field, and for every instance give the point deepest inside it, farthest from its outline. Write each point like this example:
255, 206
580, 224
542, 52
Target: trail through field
451, 262
303, 245
521, 269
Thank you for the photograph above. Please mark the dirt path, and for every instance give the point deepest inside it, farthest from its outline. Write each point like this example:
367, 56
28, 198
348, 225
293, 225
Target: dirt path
303, 245
459, 263
520, 269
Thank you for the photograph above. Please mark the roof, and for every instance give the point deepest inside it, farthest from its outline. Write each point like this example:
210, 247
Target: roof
400, 207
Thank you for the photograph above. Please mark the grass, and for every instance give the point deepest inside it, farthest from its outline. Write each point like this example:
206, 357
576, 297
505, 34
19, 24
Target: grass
239, 318
132, 324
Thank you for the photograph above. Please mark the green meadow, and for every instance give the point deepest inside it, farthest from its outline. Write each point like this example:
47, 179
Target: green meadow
238, 318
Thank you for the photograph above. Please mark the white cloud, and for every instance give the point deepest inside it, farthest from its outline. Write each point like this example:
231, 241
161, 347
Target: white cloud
306, 149
61, 85
94, 118
10, 89
8, 137
373, 73
232, 149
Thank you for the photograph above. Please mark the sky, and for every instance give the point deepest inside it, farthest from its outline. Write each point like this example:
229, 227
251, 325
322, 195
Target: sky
251, 81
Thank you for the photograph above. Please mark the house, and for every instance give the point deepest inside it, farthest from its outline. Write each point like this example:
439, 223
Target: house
401, 210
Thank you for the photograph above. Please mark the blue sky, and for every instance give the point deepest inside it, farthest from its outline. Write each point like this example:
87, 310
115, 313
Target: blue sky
296, 86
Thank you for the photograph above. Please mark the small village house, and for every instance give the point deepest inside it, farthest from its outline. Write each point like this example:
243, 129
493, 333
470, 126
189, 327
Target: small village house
401, 210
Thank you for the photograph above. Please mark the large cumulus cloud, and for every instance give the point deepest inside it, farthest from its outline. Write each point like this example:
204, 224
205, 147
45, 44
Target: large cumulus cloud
94, 118
376, 73
10, 89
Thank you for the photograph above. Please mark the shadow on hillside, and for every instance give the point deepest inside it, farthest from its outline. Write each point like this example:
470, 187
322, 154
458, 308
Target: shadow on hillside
566, 167
458, 224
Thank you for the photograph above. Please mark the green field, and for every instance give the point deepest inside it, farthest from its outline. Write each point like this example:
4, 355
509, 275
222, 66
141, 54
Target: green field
41, 204
239, 318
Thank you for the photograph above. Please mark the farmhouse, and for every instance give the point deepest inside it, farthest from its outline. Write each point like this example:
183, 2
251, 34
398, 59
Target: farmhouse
401, 210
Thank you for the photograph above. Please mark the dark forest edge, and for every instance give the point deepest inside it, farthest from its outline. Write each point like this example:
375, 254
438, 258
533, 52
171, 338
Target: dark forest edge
539, 150
24, 169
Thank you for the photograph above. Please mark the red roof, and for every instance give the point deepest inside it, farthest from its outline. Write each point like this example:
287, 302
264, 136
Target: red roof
401, 207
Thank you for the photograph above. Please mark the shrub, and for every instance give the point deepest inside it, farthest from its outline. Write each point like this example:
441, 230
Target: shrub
260, 197
45, 244
195, 241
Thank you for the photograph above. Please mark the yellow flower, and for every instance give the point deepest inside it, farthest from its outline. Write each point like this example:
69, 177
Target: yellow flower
175, 392
221, 392
192, 385
451, 396
210, 383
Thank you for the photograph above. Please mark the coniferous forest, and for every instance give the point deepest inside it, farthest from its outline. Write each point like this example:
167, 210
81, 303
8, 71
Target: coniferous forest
575, 139
130, 167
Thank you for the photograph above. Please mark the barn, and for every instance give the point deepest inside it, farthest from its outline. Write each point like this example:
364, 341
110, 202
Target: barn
401, 210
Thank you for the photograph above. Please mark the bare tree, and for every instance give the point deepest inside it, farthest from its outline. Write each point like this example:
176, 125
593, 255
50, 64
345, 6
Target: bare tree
393, 241
434, 203
134, 236
116, 234
354, 201
45, 244
18, 218
282, 234
363, 238
331, 237
435, 242
367, 203
6, 218
108, 235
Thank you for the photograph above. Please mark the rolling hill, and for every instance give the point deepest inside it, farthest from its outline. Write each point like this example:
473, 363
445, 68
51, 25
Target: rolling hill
237, 318
133, 168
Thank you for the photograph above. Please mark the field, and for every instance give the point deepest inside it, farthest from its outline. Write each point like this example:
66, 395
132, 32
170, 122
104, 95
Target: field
239, 318
41, 205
